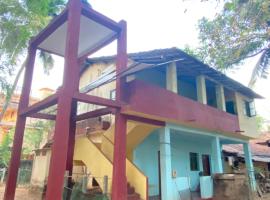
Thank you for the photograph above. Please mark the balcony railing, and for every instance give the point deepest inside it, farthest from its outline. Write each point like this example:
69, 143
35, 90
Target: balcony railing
157, 103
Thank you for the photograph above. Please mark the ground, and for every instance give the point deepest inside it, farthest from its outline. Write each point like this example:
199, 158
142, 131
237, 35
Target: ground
23, 194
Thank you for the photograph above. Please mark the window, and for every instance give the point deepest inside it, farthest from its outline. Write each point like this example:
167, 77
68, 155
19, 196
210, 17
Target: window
230, 107
194, 165
249, 108
112, 95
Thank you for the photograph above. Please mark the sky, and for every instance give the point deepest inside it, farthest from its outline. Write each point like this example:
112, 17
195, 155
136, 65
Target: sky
155, 24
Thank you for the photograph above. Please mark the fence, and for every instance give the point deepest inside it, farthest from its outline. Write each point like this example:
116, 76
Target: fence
2, 175
24, 176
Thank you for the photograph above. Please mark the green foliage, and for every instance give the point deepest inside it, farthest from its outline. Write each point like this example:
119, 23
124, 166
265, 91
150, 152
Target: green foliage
19, 21
240, 31
32, 138
194, 52
34, 135
259, 122
5, 148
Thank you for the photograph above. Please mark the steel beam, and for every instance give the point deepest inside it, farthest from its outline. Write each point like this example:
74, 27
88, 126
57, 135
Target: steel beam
43, 104
71, 144
119, 181
101, 19
43, 116
95, 113
145, 120
63, 126
20, 126
86, 98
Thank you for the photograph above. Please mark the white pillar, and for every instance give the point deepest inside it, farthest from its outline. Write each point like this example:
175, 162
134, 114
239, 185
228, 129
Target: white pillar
201, 89
165, 164
220, 98
217, 164
249, 166
171, 77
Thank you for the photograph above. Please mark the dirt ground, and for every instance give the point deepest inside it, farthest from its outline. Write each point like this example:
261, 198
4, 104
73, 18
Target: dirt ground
23, 194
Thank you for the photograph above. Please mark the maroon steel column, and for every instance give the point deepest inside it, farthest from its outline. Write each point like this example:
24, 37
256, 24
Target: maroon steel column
20, 126
71, 144
119, 182
64, 109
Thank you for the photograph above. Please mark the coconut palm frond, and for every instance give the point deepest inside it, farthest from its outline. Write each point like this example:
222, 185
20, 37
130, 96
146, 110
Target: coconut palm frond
47, 61
261, 68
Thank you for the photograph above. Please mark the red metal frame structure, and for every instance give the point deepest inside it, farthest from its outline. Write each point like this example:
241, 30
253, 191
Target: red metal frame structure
66, 100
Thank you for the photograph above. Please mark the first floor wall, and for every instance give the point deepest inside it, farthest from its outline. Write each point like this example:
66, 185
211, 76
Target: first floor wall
146, 157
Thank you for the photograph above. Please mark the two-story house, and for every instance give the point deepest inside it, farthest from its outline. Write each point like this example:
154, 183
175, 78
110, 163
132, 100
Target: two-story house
172, 113
192, 110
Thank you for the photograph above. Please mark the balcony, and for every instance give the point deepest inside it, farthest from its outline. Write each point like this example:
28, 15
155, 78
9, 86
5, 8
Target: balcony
153, 102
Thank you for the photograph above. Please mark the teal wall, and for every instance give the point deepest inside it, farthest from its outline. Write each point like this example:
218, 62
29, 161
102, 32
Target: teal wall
181, 147
146, 158
187, 88
152, 76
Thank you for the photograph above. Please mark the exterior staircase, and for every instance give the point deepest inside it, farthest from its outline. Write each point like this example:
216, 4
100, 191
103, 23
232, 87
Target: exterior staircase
97, 155
131, 194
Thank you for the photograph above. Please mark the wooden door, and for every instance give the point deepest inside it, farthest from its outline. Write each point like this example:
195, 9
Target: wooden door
206, 165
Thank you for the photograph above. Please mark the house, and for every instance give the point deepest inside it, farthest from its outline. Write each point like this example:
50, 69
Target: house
201, 109
169, 114
9, 119
10, 115
234, 155
192, 111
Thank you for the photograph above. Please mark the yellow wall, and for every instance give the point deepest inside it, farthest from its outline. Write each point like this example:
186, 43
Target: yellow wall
94, 159
247, 124
90, 75
99, 164
10, 116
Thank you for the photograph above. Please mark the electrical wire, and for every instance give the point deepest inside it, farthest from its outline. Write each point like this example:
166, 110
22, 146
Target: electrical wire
126, 70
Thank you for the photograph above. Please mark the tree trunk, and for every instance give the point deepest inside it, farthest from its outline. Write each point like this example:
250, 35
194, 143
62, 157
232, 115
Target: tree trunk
10, 93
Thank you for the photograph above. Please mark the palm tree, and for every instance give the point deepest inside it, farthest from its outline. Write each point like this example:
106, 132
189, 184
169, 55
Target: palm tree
261, 68
47, 62
19, 21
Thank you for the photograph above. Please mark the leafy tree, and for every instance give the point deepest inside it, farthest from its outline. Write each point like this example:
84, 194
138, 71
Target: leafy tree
240, 31
5, 150
260, 121
32, 140
19, 21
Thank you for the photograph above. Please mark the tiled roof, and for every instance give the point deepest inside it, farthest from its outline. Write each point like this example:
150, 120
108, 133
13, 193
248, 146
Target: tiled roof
259, 147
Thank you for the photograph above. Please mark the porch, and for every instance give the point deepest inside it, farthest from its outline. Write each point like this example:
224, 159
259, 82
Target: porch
180, 161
